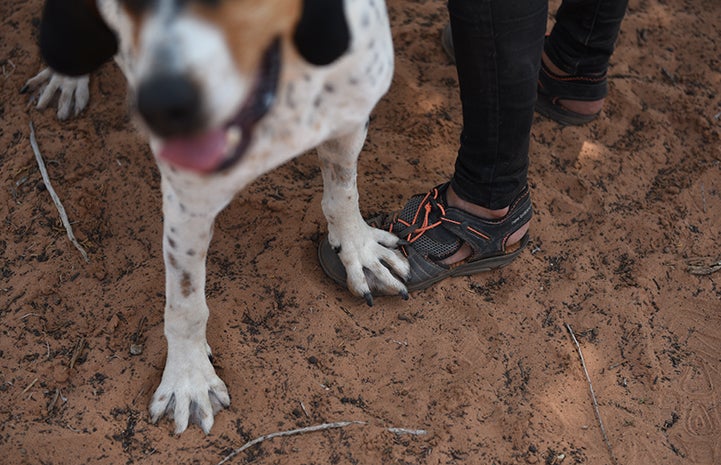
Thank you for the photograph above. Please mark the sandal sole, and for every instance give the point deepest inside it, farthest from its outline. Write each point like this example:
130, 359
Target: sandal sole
334, 269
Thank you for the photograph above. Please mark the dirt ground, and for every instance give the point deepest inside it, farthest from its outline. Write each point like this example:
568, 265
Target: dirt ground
484, 365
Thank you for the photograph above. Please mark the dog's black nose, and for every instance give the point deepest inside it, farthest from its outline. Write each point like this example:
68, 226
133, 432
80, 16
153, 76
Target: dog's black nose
170, 105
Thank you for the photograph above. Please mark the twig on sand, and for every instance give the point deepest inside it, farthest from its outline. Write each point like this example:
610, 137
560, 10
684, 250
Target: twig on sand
593, 395
412, 432
302, 405
51, 404
56, 199
313, 429
29, 386
79, 346
293, 432
698, 267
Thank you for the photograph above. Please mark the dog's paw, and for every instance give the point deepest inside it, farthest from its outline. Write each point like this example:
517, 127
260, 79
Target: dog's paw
74, 92
190, 391
373, 264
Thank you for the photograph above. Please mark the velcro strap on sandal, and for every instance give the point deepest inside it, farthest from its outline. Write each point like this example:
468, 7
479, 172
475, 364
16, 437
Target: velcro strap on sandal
488, 237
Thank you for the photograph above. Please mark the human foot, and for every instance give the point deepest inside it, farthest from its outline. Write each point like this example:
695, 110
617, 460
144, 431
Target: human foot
433, 233
582, 107
569, 99
482, 212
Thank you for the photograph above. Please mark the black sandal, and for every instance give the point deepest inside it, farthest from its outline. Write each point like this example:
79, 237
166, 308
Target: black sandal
553, 87
430, 231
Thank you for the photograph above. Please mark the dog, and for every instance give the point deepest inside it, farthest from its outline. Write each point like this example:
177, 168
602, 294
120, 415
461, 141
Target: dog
227, 90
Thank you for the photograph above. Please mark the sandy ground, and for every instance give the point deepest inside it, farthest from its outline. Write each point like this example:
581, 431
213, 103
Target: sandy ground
484, 364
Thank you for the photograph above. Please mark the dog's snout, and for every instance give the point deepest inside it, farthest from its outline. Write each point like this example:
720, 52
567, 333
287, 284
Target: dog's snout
170, 105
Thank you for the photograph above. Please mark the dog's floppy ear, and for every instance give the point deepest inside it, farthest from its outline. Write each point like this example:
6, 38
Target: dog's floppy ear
74, 39
322, 35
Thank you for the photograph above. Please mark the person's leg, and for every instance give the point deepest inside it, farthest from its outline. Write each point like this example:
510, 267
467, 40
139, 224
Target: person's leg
578, 49
497, 56
498, 47
584, 35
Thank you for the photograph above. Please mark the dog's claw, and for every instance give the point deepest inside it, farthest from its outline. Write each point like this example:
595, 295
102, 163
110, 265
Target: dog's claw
24, 89
369, 298
404, 295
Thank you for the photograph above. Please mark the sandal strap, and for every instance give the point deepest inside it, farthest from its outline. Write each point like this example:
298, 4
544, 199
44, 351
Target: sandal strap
452, 228
489, 238
431, 230
583, 88
419, 222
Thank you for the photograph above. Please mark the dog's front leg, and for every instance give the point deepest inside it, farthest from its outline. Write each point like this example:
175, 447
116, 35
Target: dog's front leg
367, 253
190, 390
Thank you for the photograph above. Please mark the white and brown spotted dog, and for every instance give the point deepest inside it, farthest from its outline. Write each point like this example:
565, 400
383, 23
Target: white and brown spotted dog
227, 90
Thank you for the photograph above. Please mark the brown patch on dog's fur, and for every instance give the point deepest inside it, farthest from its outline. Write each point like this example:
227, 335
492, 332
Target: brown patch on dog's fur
251, 25
186, 284
136, 18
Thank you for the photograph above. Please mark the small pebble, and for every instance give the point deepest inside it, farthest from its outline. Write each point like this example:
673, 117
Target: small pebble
60, 374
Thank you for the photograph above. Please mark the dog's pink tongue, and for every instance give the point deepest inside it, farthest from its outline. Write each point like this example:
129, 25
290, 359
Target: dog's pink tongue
204, 152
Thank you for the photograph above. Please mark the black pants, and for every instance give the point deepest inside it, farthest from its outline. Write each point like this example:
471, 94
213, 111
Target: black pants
498, 46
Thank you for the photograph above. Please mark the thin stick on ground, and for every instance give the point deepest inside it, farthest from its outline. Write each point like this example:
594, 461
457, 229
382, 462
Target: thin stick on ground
56, 199
293, 432
79, 346
593, 395
29, 386
412, 432
696, 266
